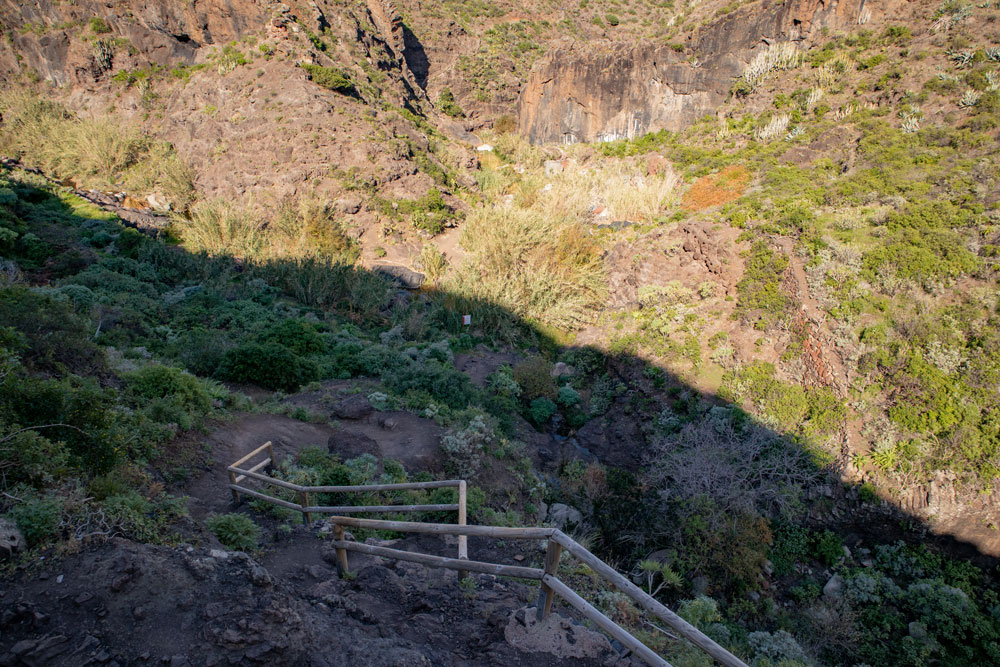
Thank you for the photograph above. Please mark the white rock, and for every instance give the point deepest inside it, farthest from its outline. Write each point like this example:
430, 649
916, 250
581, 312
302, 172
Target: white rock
834, 587
561, 515
484, 148
11, 539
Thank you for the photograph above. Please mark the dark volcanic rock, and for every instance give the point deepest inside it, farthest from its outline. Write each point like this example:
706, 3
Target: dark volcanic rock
408, 278
353, 407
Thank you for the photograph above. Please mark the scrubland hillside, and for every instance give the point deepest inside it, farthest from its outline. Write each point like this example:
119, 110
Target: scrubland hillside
749, 339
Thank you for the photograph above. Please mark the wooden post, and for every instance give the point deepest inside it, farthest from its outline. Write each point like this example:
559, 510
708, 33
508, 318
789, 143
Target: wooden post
232, 480
338, 534
463, 540
270, 455
304, 501
545, 593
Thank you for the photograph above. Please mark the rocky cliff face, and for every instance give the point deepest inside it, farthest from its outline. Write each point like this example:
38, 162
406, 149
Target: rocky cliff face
167, 33
582, 93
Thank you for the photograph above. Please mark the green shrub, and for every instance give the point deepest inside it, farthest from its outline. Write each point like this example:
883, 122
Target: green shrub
505, 124
330, 78
612, 19
164, 382
271, 366
464, 448
99, 26
30, 458
541, 410
534, 376
37, 519
446, 102
790, 546
443, 383
75, 411
430, 213
568, 397
57, 339
297, 335
828, 547
760, 294
138, 518
235, 531
202, 350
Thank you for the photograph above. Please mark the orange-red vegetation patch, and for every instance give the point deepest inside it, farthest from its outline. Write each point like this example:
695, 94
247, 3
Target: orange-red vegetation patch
716, 189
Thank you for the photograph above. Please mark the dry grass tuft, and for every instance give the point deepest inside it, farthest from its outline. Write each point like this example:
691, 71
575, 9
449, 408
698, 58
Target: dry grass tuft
716, 189
544, 268
297, 230
98, 153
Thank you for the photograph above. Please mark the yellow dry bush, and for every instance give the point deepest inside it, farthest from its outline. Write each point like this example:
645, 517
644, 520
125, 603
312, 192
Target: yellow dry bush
620, 187
544, 268
101, 153
297, 229
222, 228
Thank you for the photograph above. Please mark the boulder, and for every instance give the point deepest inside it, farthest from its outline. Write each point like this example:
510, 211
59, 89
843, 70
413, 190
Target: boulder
406, 277
348, 205
834, 588
353, 407
562, 516
556, 635
553, 167
560, 369
11, 539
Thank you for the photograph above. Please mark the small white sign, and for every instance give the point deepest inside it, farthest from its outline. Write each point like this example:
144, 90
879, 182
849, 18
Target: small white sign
466, 320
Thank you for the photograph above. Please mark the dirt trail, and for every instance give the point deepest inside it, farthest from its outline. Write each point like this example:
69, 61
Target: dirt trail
821, 336
209, 493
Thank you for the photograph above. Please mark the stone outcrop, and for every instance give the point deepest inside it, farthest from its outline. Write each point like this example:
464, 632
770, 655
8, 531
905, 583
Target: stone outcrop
581, 92
166, 33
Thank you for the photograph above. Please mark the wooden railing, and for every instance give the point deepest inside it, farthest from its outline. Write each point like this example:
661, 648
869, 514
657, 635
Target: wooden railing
550, 584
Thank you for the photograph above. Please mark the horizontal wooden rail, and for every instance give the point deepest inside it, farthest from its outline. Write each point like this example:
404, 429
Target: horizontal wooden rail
501, 532
361, 509
603, 622
263, 496
402, 486
268, 479
440, 561
253, 473
257, 468
252, 454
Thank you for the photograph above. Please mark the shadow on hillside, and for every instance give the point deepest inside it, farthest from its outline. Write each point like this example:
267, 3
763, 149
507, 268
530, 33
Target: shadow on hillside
415, 56
193, 309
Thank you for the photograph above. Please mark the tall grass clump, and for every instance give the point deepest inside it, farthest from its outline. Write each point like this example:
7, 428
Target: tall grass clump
295, 230
218, 227
98, 153
627, 193
541, 267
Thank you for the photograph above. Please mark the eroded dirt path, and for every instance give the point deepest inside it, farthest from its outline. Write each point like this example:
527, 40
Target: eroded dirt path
819, 340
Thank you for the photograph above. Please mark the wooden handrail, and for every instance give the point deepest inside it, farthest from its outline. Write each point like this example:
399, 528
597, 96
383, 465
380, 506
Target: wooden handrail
647, 602
603, 622
460, 564
549, 582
